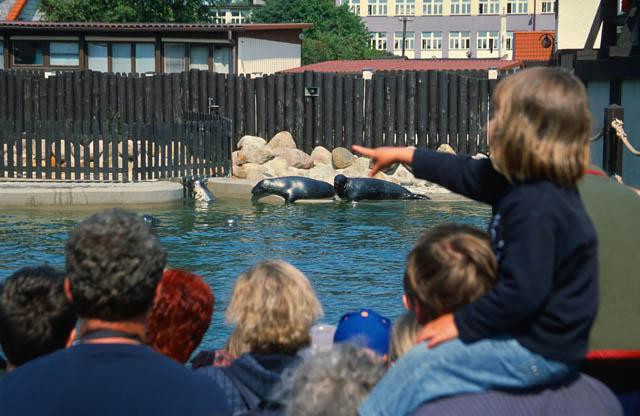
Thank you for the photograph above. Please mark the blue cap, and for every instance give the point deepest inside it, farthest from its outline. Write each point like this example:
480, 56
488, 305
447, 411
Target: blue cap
365, 328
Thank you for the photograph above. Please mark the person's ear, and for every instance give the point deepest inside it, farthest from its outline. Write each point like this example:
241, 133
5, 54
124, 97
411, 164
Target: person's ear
67, 289
407, 302
72, 337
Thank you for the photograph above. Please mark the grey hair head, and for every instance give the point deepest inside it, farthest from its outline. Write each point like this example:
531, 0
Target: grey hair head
331, 382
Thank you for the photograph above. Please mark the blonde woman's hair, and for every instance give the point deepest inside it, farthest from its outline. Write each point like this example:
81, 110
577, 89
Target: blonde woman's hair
541, 127
273, 306
236, 345
450, 266
403, 335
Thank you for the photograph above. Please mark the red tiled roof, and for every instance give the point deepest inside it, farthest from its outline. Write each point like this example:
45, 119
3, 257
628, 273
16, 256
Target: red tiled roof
528, 46
146, 27
16, 9
407, 65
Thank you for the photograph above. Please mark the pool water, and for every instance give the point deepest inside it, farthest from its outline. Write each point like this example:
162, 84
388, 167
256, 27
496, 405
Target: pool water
354, 254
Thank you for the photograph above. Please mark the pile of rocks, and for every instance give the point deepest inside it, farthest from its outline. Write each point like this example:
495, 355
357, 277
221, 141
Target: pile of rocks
258, 159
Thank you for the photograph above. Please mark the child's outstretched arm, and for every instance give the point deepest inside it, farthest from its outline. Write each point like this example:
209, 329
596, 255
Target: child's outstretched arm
475, 179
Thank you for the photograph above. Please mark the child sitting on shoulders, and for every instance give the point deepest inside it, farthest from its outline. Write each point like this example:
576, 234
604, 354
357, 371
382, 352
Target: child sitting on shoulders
533, 327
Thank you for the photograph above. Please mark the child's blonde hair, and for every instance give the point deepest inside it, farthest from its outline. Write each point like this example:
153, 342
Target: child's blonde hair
273, 306
403, 335
541, 127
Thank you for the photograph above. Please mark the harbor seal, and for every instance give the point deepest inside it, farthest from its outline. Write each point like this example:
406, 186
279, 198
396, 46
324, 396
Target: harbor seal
357, 189
292, 188
197, 189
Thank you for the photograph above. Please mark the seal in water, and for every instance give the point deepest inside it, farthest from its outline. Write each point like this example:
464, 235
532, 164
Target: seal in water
198, 190
292, 188
357, 189
150, 220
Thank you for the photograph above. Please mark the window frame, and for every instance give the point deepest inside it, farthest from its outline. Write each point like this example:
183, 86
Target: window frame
460, 39
431, 40
492, 7
490, 40
133, 45
409, 41
376, 40
436, 7
552, 6
517, 6
379, 6
462, 7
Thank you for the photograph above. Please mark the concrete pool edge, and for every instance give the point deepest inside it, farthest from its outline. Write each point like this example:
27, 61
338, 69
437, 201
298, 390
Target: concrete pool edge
27, 193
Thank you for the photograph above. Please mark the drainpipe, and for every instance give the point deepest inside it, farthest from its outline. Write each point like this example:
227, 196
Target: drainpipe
535, 5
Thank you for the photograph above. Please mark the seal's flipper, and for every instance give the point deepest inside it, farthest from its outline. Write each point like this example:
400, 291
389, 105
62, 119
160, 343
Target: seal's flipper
419, 197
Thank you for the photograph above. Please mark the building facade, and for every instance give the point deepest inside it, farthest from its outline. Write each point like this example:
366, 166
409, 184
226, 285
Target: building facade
150, 47
234, 11
452, 28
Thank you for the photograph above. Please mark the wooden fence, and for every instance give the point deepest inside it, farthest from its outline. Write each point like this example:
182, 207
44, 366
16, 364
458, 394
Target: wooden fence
73, 150
424, 109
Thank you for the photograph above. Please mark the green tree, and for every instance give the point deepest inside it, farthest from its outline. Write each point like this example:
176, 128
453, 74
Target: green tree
179, 11
336, 33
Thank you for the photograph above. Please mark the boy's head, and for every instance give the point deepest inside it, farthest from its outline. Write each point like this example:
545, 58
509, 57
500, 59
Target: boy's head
36, 318
541, 126
450, 266
403, 336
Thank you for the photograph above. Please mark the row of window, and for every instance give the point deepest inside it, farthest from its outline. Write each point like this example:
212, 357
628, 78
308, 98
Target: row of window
456, 7
433, 40
124, 57
231, 16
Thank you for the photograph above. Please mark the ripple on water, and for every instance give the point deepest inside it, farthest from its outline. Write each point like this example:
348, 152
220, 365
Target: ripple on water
354, 255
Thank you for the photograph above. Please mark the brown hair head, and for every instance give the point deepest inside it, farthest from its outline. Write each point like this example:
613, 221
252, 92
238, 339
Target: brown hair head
450, 266
273, 306
541, 127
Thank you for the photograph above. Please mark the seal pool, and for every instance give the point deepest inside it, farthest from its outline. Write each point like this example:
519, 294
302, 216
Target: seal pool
354, 254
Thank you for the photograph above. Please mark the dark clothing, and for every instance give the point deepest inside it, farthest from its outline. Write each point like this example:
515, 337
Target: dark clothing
585, 397
249, 380
546, 296
109, 379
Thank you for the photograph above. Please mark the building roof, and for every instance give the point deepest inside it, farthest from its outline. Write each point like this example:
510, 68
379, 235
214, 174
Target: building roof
530, 46
16, 9
148, 27
407, 65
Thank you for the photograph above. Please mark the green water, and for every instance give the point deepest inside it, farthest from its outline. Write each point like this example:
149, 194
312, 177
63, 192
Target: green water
354, 254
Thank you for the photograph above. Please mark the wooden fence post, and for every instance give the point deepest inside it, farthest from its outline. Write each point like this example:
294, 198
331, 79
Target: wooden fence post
612, 146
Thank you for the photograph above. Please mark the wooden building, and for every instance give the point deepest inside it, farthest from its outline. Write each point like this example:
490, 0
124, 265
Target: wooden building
151, 47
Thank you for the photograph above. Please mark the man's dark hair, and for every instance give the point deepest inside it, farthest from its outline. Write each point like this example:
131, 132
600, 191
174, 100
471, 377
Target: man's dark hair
114, 263
36, 318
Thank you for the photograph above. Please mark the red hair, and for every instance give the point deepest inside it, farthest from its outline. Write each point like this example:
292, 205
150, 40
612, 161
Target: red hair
181, 314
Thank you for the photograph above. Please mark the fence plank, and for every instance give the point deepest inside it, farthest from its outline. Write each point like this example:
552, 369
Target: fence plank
250, 107
379, 109
351, 109
59, 99
231, 102
389, 101
474, 87
86, 141
483, 114
204, 92
194, 90
11, 99
422, 111
271, 107
106, 150
19, 139
68, 156
176, 93
27, 98
338, 134
308, 142
11, 142
124, 139
280, 108
76, 126
318, 136
433, 109
328, 97
463, 114
97, 136
221, 93
411, 108
104, 100
121, 98
368, 113
158, 99
57, 144
299, 107
289, 91
148, 99
240, 113
39, 139
453, 112
3, 96
19, 97
168, 98
261, 106
401, 106
115, 140
78, 77
443, 107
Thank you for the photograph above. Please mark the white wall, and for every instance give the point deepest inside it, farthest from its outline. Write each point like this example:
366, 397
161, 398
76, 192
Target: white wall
575, 18
631, 104
266, 56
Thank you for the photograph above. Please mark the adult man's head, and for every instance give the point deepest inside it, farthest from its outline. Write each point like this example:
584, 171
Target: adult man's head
114, 263
36, 318
450, 266
181, 314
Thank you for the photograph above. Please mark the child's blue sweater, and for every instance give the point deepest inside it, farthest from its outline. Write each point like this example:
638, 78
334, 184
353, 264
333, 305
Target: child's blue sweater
546, 296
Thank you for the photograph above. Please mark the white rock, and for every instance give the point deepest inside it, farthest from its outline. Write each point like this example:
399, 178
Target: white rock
254, 154
324, 173
295, 158
321, 155
284, 139
254, 175
341, 158
445, 148
251, 141
403, 176
276, 167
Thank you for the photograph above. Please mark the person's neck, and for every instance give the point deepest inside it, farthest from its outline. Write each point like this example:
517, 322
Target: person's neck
134, 327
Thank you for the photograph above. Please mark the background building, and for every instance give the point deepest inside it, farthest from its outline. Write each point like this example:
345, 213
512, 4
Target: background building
452, 28
234, 11
19, 10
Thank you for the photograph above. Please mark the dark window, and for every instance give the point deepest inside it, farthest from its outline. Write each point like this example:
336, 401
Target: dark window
29, 52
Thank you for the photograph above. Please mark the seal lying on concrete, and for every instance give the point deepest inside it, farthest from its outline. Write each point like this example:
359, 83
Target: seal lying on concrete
197, 188
357, 189
292, 188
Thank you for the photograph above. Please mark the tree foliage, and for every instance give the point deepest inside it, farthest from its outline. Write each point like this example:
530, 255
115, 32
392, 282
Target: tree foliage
179, 11
336, 34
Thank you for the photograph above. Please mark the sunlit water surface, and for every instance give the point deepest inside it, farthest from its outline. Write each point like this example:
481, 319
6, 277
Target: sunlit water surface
354, 254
